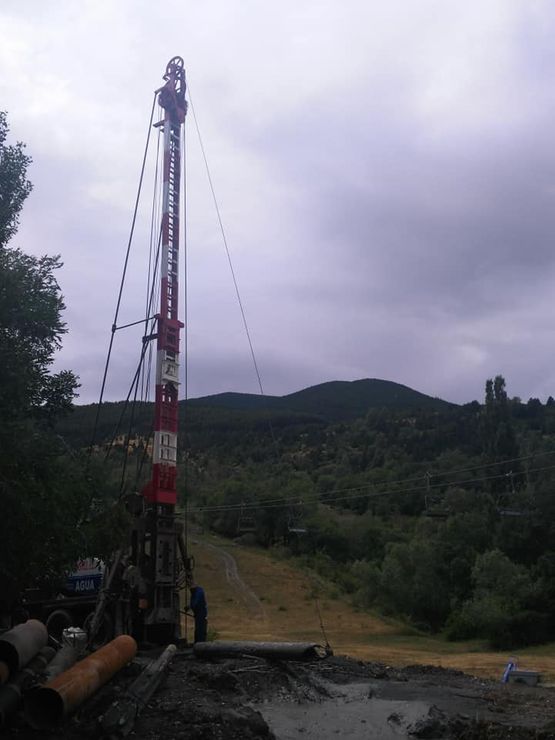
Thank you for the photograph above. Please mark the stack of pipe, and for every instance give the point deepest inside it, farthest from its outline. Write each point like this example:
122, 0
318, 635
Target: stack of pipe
23, 654
64, 659
10, 693
19, 645
74, 643
46, 706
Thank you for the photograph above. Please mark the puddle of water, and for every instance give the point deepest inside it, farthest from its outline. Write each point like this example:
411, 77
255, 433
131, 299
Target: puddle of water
351, 713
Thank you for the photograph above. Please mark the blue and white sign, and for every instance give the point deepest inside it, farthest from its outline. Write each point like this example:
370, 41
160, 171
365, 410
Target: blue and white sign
87, 577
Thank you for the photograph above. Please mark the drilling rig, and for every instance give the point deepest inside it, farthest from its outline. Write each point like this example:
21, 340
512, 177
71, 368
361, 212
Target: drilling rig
154, 549
141, 587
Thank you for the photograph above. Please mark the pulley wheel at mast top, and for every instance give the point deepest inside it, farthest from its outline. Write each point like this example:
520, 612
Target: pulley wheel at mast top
174, 65
172, 94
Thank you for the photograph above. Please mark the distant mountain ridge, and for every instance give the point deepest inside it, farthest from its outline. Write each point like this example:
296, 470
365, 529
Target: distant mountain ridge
335, 400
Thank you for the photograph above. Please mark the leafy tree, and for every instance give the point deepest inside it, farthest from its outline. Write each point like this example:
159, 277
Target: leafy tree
14, 185
30, 332
498, 433
44, 491
495, 574
497, 610
413, 583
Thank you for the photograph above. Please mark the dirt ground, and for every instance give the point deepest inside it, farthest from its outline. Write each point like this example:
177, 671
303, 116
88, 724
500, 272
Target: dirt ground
249, 698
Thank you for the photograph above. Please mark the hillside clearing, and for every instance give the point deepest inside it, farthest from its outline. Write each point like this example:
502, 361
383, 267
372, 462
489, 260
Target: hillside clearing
278, 602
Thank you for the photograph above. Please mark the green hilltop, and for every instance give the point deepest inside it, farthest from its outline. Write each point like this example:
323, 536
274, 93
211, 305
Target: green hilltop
335, 400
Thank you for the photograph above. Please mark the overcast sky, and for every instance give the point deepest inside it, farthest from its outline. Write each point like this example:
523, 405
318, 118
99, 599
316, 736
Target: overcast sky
385, 173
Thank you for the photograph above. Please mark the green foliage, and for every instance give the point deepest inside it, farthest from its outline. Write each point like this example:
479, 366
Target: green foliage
45, 491
30, 332
497, 609
494, 574
367, 575
412, 583
499, 437
14, 185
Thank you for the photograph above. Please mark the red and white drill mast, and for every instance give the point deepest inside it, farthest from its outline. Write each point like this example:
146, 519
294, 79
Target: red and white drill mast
145, 575
159, 541
162, 488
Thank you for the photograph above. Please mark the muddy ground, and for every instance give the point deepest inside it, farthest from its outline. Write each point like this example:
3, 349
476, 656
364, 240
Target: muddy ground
248, 698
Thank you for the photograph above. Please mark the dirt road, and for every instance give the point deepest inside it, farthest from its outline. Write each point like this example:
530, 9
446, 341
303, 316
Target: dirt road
240, 588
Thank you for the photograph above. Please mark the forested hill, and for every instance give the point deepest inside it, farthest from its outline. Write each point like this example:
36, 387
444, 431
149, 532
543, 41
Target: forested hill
337, 400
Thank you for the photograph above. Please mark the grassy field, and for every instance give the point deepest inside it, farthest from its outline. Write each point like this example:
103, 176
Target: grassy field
286, 609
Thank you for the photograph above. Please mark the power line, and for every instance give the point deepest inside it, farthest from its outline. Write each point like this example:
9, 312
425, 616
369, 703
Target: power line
424, 477
315, 498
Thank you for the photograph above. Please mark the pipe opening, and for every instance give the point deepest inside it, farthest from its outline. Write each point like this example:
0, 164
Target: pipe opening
9, 656
44, 709
4, 672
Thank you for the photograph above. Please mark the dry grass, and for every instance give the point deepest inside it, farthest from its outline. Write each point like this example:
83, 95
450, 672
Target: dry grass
289, 612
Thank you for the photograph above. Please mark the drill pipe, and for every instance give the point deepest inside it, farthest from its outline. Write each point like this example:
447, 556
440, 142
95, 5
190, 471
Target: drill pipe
64, 659
46, 706
120, 718
10, 694
276, 650
20, 644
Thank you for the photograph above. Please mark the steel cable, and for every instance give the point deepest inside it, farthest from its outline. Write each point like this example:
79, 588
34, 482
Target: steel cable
122, 282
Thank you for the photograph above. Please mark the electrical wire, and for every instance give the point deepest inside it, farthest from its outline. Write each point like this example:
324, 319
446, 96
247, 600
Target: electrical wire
423, 477
318, 498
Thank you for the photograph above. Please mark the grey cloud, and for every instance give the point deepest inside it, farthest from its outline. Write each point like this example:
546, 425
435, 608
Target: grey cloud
388, 200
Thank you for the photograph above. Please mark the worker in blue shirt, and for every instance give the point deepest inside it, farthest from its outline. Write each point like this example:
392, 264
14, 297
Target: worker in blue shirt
200, 611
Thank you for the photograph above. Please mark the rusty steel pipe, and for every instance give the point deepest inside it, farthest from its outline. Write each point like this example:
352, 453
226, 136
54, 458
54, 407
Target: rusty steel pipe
20, 644
46, 706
